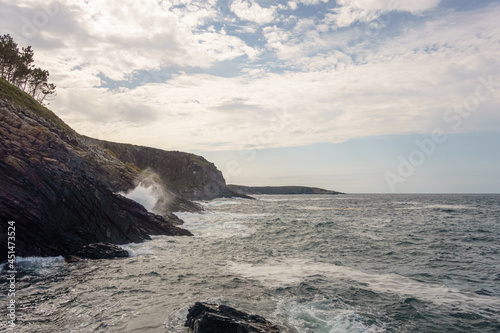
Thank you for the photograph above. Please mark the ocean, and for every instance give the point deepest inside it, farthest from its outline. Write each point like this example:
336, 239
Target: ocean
310, 263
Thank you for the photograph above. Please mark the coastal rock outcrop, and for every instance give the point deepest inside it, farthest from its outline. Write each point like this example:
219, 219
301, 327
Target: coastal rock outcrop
188, 175
60, 189
279, 190
101, 251
212, 318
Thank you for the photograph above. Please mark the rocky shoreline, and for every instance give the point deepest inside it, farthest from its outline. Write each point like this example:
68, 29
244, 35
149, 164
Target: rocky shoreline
65, 191
54, 188
66, 194
61, 188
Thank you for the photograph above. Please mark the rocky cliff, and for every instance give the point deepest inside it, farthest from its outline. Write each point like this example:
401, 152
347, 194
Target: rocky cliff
254, 190
187, 175
60, 187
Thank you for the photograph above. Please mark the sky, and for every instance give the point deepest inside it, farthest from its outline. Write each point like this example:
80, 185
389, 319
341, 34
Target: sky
350, 95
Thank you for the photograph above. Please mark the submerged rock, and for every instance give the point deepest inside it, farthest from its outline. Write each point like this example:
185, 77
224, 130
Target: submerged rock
101, 251
212, 318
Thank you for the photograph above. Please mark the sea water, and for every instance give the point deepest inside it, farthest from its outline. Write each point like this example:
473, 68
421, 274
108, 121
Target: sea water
310, 263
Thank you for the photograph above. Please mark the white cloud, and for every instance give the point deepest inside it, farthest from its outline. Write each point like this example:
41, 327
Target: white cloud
350, 11
252, 11
292, 5
404, 87
311, 2
306, 44
119, 38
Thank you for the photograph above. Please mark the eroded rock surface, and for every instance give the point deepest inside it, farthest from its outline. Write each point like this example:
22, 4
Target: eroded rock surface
59, 188
212, 318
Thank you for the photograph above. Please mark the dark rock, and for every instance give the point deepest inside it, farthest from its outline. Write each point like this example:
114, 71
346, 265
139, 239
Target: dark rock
59, 189
101, 251
279, 190
188, 175
72, 258
212, 318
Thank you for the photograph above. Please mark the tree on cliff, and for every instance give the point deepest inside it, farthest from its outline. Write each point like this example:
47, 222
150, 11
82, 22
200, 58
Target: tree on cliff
16, 66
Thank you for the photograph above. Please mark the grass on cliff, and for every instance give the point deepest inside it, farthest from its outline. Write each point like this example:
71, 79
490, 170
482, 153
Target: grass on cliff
18, 97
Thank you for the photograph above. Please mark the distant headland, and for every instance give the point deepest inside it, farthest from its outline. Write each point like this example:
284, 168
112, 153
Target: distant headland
277, 190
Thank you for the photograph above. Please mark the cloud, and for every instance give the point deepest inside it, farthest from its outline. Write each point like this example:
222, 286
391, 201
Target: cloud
119, 38
292, 5
350, 11
308, 46
404, 86
311, 2
252, 11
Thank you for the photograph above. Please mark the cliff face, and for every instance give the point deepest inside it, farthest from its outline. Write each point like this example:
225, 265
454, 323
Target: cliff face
277, 190
59, 187
189, 176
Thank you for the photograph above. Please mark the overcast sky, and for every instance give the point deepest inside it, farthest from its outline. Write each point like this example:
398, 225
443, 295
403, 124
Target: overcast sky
352, 95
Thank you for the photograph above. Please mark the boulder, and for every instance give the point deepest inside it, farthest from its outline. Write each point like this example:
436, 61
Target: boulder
101, 251
213, 318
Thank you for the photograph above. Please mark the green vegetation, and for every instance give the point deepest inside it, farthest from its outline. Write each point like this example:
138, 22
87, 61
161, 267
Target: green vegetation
16, 67
10, 93
109, 152
200, 161
133, 167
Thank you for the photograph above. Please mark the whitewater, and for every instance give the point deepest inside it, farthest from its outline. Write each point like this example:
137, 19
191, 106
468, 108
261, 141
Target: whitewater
310, 263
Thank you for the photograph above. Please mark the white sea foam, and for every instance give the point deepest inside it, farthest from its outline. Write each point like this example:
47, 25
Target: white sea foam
218, 224
175, 321
40, 265
321, 315
42, 261
413, 205
299, 197
327, 208
447, 207
292, 272
221, 202
137, 249
150, 193
143, 195
344, 197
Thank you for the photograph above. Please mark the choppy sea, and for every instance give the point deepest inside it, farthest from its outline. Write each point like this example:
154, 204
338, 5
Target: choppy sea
346, 263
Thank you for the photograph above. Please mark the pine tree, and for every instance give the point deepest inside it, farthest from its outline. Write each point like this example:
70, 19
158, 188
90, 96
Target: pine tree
24, 68
17, 68
8, 56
